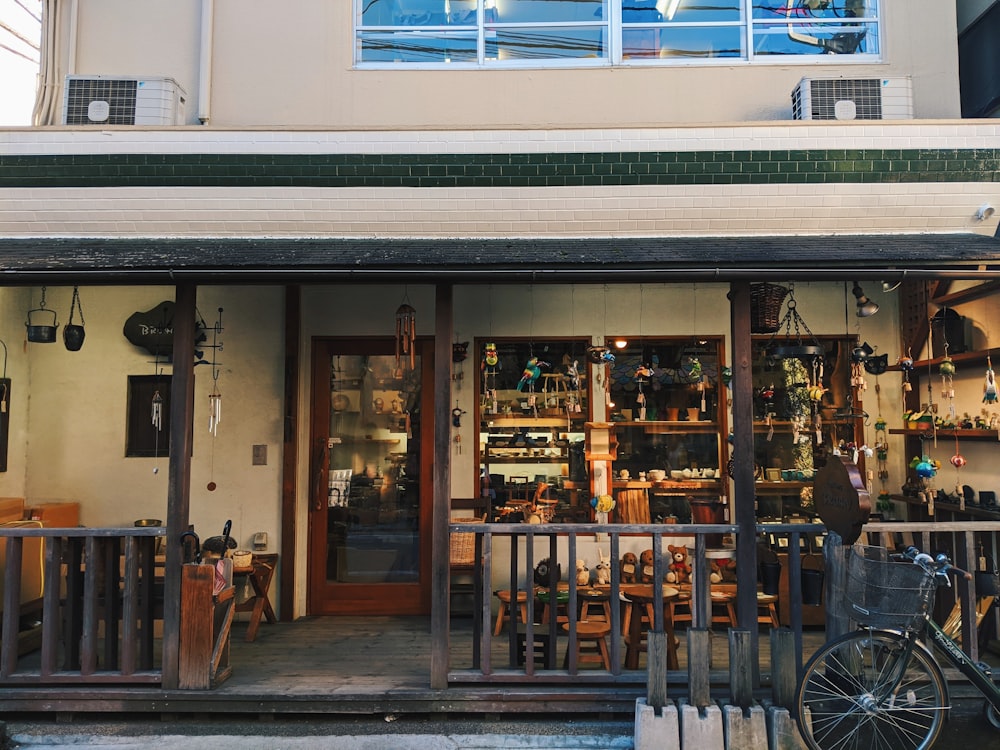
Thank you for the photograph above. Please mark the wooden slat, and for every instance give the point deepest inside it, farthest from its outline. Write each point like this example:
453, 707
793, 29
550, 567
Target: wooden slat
197, 614
11, 606
147, 600
130, 608
742, 667
50, 605
72, 611
88, 646
111, 560
699, 664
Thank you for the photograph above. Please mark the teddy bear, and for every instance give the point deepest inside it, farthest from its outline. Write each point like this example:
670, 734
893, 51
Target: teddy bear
722, 570
582, 573
646, 566
629, 567
678, 571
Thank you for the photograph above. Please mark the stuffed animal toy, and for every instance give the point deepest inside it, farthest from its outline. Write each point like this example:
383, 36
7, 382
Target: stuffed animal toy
541, 574
678, 571
582, 573
722, 570
646, 566
629, 567
602, 571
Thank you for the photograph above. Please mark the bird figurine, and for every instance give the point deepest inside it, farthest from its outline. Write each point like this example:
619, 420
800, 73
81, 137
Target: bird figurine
532, 371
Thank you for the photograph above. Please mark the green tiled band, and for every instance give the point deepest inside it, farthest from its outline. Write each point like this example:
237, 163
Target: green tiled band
502, 170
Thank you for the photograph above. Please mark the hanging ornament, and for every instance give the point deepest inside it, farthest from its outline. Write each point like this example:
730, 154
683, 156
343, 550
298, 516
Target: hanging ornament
642, 375
990, 386
157, 411
406, 334
214, 411
859, 359
906, 367
489, 368
947, 370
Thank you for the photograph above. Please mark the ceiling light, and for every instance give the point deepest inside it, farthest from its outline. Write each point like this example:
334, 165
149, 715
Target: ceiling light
866, 307
890, 286
620, 343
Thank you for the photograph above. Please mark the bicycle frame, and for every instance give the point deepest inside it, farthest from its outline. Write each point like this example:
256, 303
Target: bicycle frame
965, 665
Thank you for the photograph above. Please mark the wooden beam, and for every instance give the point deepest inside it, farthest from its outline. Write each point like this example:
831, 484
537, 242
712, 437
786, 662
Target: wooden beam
290, 449
440, 569
744, 491
179, 480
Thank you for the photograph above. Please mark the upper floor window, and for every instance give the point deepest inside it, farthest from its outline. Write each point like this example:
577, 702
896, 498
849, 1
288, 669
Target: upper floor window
536, 33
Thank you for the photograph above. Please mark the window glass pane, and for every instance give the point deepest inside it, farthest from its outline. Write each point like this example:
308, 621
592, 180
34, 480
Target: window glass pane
805, 10
682, 42
418, 47
548, 11
534, 43
681, 11
815, 39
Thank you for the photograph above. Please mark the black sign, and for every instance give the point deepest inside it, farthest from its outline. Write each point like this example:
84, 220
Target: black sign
153, 330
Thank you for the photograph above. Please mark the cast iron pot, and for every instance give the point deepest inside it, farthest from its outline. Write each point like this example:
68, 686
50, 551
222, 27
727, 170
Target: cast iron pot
73, 336
39, 334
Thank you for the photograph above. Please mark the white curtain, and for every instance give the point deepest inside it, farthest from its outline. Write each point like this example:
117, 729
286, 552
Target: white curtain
54, 60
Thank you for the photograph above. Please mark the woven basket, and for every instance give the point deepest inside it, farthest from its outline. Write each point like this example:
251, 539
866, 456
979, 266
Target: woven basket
462, 546
765, 307
242, 558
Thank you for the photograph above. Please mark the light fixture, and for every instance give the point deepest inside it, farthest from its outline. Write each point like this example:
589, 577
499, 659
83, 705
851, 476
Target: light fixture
984, 212
866, 307
890, 286
620, 343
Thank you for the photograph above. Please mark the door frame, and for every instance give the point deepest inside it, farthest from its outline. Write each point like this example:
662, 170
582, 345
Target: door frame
365, 598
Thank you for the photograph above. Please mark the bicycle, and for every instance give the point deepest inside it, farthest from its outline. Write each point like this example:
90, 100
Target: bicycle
880, 685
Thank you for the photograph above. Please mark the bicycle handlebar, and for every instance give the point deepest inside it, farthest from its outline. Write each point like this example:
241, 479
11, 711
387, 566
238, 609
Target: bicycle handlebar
937, 566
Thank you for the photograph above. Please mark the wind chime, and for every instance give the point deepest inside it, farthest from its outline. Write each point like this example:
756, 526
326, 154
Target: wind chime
215, 397
156, 417
490, 368
990, 386
947, 370
906, 367
406, 335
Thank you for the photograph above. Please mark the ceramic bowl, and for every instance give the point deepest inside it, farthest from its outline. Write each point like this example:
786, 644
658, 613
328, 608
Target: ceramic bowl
676, 474
656, 475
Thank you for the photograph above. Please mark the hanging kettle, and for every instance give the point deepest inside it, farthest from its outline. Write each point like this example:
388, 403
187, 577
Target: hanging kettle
74, 334
38, 333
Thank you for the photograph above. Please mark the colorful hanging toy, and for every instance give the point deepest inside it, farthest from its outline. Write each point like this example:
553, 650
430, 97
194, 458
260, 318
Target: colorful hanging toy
990, 386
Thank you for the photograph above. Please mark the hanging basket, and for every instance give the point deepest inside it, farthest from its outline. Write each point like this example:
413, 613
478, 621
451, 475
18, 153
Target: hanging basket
765, 307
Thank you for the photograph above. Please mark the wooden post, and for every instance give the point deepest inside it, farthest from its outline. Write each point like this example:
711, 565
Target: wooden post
656, 669
197, 618
179, 481
784, 670
290, 450
741, 668
835, 565
744, 490
699, 663
440, 565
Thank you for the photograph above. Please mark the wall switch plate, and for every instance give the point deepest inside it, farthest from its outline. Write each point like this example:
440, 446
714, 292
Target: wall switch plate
260, 455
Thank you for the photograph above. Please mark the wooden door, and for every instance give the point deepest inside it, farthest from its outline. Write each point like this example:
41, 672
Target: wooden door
370, 478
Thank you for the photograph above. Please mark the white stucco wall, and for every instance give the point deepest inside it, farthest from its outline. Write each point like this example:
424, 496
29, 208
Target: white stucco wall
290, 64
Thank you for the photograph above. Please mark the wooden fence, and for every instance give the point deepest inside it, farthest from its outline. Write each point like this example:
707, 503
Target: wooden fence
523, 651
93, 618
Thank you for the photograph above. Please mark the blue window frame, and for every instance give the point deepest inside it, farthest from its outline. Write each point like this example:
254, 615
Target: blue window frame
552, 33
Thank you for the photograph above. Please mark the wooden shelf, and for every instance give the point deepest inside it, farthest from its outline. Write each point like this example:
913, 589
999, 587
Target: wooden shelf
780, 488
666, 428
964, 434
986, 289
666, 484
491, 422
982, 514
974, 357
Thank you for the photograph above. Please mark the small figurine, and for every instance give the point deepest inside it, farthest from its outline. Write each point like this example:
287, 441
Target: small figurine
582, 573
602, 569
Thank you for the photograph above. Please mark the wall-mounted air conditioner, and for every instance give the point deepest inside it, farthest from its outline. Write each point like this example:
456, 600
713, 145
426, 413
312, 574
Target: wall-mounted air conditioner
122, 100
853, 99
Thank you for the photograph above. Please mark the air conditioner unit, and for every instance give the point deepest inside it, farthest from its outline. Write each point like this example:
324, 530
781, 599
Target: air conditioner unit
853, 99
121, 100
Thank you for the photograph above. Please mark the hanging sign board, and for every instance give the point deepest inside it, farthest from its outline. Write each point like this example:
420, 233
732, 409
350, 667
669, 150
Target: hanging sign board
153, 330
842, 500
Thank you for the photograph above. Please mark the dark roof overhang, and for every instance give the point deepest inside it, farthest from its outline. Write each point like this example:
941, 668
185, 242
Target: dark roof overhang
25, 261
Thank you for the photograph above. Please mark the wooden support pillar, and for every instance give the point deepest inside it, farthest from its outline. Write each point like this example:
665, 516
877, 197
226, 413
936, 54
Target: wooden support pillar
290, 450
440, 565
744, 490
179, 473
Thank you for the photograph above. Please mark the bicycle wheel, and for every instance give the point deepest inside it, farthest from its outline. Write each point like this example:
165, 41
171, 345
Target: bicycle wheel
857, 692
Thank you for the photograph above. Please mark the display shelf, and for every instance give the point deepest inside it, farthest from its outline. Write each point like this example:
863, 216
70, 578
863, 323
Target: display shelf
972, 513
667, 484
500, 421
780, 488
965, 434
660, 427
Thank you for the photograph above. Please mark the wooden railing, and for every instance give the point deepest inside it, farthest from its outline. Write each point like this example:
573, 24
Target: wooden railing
95, 620
526, 656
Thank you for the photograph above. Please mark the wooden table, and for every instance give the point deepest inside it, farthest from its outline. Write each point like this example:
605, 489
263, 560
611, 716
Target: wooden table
641, 600
260, 573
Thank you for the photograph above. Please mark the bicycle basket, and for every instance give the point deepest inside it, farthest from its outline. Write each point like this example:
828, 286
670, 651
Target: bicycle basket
886, 594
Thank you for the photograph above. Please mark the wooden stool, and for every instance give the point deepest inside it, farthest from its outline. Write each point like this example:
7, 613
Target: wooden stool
594, 599
589, 631
767, 612
504, 613
724, 609
680, 608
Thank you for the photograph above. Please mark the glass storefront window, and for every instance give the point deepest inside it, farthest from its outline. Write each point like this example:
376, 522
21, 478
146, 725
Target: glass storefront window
491, 33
